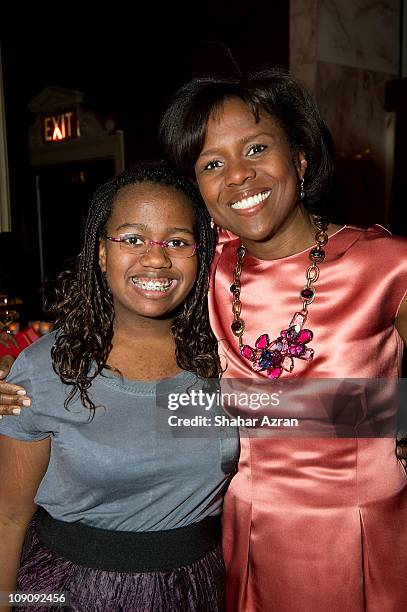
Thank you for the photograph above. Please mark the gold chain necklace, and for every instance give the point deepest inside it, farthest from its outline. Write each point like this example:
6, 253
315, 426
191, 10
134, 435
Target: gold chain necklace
278, 355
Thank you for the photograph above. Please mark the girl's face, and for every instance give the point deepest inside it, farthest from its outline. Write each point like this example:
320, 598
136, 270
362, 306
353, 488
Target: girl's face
152, 284
246, 173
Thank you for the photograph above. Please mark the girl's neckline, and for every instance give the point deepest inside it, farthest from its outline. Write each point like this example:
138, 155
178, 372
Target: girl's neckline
179, 380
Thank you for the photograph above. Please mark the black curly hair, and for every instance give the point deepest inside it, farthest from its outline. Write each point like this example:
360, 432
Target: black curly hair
83, 306
275, 91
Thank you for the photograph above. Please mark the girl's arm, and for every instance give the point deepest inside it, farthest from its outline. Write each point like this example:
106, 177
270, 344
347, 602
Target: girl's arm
22, 467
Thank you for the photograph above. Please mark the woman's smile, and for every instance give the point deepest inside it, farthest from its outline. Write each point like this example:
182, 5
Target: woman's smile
251, 203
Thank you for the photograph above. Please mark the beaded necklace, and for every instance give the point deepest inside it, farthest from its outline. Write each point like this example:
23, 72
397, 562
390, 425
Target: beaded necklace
278, 355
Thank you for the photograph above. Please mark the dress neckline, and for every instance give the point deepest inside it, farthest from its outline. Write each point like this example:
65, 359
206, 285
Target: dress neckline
342, 239
252, 260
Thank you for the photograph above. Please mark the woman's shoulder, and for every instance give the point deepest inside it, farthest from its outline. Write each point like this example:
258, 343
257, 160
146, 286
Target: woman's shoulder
380, 260
378, 234
376, 245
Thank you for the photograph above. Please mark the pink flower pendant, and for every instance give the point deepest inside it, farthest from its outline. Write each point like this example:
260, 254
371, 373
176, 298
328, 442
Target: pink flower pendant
278, 355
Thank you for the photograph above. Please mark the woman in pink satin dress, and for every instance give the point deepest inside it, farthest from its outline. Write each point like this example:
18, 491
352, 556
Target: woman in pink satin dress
313, 522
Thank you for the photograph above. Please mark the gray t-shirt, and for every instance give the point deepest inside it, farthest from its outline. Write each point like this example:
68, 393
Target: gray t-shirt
125, 470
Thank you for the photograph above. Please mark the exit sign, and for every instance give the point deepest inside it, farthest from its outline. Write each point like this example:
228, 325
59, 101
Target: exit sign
60, 126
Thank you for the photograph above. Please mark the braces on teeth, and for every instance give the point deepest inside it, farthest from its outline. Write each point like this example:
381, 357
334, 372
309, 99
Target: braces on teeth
152, 285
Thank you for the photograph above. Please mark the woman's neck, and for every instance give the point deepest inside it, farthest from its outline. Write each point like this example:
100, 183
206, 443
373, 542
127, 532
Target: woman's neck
297, 234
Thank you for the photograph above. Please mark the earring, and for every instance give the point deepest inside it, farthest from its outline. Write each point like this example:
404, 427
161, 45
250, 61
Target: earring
302, 192
212, 223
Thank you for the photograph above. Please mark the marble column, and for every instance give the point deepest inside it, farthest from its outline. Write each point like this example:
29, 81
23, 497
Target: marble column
344, 51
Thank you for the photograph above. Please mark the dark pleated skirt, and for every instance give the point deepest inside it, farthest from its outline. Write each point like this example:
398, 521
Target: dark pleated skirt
198, 587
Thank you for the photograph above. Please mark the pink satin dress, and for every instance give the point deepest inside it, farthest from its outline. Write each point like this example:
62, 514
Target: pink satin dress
318, 524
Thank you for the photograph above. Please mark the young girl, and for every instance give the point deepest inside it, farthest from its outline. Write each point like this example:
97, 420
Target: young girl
128, 514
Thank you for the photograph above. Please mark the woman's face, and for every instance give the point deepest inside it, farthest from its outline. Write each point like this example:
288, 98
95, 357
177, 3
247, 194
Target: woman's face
153, 284
246, 173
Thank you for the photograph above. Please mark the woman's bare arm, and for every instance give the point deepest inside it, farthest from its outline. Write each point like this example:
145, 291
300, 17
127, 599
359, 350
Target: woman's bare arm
401, 326
401, 320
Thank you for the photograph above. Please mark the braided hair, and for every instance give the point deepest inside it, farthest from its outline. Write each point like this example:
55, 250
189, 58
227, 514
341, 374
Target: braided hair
83, 307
